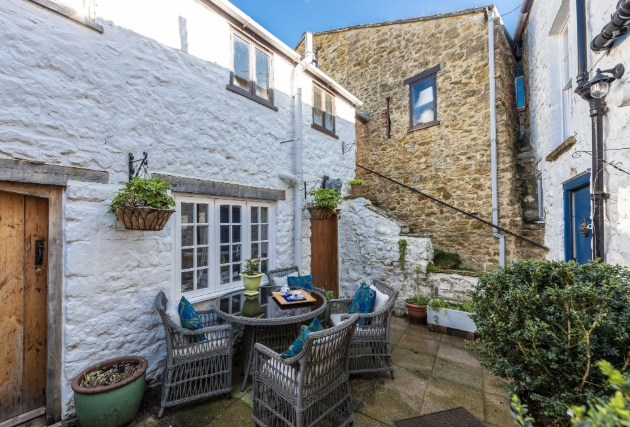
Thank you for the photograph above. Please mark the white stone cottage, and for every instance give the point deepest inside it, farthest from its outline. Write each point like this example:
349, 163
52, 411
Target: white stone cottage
560, 129
212, 98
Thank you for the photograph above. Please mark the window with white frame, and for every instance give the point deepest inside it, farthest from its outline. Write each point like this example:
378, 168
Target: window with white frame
251, 74
213, 237
566, 82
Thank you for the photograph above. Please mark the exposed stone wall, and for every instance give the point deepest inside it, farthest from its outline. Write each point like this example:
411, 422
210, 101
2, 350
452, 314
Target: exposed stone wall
74, 97
541, 60
450, 161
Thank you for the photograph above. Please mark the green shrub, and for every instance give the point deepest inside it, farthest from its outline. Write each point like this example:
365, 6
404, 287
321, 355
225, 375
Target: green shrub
356, 181
611, 413
143, 192
446, 260
326, 197
418, 299
402, 252
437, 304
544, 324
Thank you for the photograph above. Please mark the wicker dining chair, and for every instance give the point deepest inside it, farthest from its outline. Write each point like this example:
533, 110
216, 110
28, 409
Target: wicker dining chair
198, 362
282, 272
308, 389
370, 350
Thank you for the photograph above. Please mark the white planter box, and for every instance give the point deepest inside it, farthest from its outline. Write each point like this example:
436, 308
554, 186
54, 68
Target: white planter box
454, 319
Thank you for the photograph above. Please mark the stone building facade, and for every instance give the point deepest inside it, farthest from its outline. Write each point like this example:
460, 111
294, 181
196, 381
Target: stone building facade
451, 158
80, 92
558, 122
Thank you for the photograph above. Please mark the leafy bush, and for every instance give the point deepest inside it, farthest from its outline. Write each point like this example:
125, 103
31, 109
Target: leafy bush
544, 324
326, 197
446, 260
437, 304
612, 413
143, 192
356, 181
418, 299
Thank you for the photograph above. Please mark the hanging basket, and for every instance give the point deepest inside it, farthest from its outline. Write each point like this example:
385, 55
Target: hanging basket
146, 219
319, 213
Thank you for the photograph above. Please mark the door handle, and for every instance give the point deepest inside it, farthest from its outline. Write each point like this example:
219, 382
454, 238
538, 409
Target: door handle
39, 252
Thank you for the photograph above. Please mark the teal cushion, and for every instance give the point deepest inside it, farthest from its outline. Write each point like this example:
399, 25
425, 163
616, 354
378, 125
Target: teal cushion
188, 315
295, 348
363, 301
302, 282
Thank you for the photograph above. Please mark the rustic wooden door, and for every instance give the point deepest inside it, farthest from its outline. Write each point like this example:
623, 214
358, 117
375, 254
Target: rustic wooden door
325, 254
23, 300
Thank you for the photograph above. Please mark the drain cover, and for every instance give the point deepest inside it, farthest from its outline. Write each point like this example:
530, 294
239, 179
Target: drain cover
458, 417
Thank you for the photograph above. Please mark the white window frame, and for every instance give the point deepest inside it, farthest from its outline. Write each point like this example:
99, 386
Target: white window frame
215, 288
566, 82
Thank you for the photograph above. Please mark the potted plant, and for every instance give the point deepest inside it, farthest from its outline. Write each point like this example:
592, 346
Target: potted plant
357, 186
109, 394
325, 202
417, 308
252, 277
451, 315
143, 204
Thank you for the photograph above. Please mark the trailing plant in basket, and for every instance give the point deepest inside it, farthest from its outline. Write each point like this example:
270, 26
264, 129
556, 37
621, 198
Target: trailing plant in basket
141, 193
326, 198
545, 325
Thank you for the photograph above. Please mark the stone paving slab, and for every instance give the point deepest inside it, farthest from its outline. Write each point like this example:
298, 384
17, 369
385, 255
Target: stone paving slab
433, 372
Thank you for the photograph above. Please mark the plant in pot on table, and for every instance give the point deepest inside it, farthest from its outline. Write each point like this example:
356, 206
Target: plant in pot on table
357, 186
325, 202
143, 204
252, 277
417, 308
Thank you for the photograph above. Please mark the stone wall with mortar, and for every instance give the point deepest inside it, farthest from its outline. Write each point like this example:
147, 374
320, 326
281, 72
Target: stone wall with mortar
450, 161
541, 59
74, 97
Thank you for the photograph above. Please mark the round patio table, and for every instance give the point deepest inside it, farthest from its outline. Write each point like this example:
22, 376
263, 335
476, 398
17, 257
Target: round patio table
266, 321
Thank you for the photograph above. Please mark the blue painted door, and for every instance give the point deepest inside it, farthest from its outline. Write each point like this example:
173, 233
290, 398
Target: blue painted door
581, 233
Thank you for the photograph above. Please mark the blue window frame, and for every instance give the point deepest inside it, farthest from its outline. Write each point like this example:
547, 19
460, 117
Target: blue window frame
520, 92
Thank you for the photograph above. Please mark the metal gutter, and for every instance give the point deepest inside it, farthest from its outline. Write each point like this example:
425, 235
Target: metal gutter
252, 25
522, 21
617, 27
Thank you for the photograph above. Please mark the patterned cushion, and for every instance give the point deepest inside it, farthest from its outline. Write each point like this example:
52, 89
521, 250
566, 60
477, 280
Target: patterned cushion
281, 281
189, 317
303, 282
363, 302
295, 348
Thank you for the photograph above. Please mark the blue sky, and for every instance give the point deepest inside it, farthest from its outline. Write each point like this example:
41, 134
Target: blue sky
288, 19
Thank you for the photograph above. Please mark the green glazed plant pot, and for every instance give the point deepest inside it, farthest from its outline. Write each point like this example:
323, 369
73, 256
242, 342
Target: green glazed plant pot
251, 283
114, 405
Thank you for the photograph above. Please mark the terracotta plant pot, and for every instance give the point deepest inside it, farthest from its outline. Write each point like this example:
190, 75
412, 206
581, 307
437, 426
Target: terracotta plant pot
417, 313
113, 405
251, 283
145, 219
357, 190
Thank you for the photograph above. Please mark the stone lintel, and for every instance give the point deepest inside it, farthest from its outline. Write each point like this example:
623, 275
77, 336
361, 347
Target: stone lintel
40, 173
561, 149
224, 189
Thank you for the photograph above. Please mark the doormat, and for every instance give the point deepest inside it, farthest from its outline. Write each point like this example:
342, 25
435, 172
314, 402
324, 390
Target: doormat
458, 417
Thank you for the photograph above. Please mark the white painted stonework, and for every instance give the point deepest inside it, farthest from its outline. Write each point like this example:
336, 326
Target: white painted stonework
543, 97
451, 287
368, 250
74, 97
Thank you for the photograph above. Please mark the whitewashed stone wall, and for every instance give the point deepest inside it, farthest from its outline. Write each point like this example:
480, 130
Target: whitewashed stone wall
451, 287
543, 99
74, 97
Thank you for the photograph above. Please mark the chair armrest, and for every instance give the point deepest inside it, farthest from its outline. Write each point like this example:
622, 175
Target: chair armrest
339, 305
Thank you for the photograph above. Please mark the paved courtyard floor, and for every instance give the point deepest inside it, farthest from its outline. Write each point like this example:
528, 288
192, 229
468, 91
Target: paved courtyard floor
433, 372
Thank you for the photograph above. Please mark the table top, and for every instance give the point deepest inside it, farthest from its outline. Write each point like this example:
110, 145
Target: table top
264, 310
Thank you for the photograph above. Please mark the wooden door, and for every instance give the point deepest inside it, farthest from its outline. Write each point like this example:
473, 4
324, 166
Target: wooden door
23, 300
325, 254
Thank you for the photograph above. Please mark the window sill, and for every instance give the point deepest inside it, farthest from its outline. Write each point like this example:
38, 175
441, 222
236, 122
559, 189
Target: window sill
423, 126
324, 130
248, 95
69, 13
219, 294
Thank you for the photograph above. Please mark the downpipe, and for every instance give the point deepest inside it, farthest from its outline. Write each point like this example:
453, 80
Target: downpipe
493, 139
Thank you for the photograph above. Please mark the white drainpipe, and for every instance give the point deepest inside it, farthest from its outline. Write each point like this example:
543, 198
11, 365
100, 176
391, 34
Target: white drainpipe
296, 179
493, 139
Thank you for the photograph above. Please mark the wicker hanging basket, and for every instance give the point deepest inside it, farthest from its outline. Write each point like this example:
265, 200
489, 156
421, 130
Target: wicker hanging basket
318, 212
147, 219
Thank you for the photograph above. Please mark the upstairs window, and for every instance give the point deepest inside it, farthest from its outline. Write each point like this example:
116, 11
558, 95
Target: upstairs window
323, 112
423, 99
566, 82
520, 92
251, 74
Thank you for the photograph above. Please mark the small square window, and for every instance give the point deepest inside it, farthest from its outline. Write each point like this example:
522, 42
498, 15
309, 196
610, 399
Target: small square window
323, 112
520, 92
423, 99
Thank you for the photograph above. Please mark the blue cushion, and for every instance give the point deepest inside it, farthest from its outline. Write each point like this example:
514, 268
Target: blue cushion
188, 315
297, 346
302, 282
363, 301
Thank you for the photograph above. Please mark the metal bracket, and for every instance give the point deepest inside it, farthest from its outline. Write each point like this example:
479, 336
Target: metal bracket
289, 140
345, 147
143, 162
